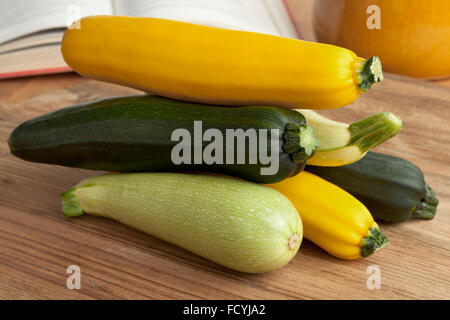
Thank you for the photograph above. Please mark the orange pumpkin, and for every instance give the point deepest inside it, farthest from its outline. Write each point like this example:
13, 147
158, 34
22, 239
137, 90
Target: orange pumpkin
413, 39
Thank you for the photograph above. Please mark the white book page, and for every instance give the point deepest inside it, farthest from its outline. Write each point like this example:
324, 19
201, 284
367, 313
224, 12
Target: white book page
248, 15
52, 36
21, 17
281, 18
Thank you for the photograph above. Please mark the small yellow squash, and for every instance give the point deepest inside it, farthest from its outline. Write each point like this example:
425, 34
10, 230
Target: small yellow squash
217, 66
332, 218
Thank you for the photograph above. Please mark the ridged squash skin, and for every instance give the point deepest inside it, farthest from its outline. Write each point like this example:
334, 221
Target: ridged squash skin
238, 224
332, 218
211, 65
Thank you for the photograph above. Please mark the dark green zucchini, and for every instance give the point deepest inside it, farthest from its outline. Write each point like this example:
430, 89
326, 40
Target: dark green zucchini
129, 134
393, 189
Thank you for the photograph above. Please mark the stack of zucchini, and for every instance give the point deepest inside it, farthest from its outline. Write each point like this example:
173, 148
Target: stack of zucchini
209, 82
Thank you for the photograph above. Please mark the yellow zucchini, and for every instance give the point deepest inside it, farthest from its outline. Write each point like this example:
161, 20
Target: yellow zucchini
217, 66
341, 143
332, 218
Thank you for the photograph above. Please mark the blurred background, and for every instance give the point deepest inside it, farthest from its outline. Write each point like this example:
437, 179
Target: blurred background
410, 37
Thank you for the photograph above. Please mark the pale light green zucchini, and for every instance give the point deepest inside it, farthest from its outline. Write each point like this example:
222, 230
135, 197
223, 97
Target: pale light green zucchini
241, 225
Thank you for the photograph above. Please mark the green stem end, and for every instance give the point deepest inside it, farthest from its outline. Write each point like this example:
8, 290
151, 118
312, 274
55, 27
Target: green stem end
299, 142
373, 131
428, 205
371, 73
373, 241
70, 204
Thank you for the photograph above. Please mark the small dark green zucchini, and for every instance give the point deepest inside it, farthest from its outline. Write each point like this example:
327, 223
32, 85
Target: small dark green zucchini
392, 188
130, 134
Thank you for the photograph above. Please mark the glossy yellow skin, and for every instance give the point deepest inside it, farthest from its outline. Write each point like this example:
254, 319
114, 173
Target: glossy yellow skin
332, 218
413, 38
211, 65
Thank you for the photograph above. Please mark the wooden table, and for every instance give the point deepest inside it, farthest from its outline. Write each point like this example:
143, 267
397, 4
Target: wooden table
37, 243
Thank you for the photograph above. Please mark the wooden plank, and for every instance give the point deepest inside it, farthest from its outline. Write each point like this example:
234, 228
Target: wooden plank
37, 243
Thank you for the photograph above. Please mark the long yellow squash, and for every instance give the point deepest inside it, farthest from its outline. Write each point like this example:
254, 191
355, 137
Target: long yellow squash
211, 65
332, 218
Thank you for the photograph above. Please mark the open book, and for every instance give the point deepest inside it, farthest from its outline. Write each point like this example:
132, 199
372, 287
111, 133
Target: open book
31, 31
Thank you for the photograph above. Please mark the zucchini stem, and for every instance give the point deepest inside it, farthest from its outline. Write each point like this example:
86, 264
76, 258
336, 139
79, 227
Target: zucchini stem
70, 203
299, 142
427, 208
373, 241
373, 131
370, 72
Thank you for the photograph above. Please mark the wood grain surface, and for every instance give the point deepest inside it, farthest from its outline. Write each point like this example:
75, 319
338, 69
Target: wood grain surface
37, 243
